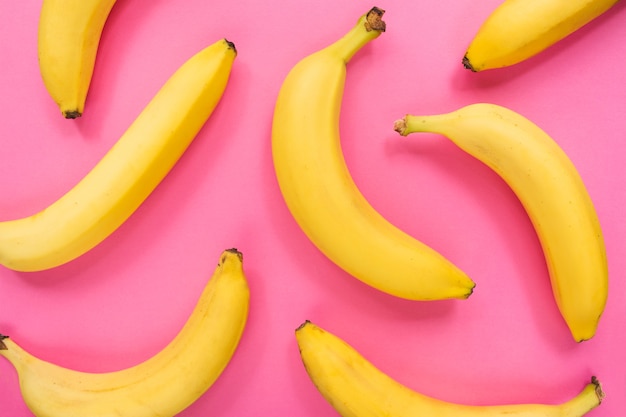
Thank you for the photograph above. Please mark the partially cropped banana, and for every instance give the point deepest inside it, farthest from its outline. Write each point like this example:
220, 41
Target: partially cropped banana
356, 388
519, 29
68, 40
164, 384
127, 174
551, 190
323, 198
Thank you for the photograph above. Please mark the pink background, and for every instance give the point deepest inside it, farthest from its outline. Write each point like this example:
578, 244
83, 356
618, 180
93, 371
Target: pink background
124, 300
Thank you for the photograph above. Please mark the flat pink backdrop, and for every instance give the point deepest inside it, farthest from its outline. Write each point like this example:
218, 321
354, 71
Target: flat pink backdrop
124, 300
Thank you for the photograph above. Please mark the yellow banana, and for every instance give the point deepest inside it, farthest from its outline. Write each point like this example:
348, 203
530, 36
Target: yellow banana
552, 192
127, 174
519, 29
164, 384
68, 39
323, 198
356, 388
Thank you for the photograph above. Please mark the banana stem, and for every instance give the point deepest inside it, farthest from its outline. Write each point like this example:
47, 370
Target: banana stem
412, 124
12, 352
598, 389
588, 399
368, 28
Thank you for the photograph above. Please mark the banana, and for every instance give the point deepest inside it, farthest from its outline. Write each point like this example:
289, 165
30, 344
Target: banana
68, 37
127, 174
164, 384
519, 29
552, 192
321, 194
356, 388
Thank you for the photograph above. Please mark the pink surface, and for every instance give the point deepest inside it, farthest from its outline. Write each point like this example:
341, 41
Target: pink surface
124, 300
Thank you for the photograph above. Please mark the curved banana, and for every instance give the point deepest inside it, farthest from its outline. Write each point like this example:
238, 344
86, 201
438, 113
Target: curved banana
164, 384
552, 193
519, 29
127, 174
323, 198
356, 388
68, 38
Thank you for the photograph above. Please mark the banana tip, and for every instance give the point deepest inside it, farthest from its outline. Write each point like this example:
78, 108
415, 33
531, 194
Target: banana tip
2, 345
72, 114
231, 45
468, 65
470, 292
582, 335
304, 323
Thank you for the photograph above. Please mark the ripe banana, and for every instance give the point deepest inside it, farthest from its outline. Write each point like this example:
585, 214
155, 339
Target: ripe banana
519, 29
164, 384
319, 190
127, 174
356, 388
68, 38
552, 192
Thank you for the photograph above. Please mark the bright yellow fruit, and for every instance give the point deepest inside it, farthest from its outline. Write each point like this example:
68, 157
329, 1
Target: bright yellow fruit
127, 174
164, 384
321, 194
356, 388
68, 40
520, 29
551, 190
